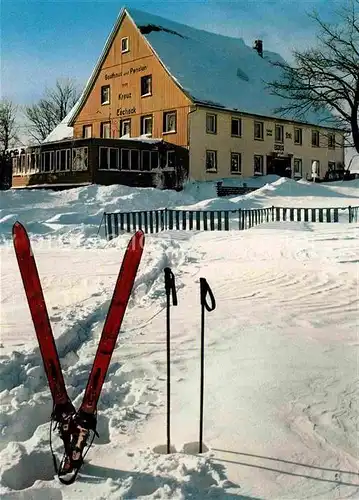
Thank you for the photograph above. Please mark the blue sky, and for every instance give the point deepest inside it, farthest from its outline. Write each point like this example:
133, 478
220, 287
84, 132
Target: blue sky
45, 40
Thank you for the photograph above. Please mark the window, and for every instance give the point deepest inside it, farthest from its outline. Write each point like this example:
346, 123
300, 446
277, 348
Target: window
79, 158
33, 162
47, 161
15, 167
105, 94
146, 158
103, 159
236, 163
130, 159
146, 125
211, 161
236, 127
258, 130
154, 159
135, 159
125, 128
105, 130
170, 162
331, 141
279, 133
63, 160
169, 121
211, 123
298, 167
258, 165
124, 44
315, 138
87, 131
23, 163
331, 166
146, 85
125, 159
108, 158
298, 136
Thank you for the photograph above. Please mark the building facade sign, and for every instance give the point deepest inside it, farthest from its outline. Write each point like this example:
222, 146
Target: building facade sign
132, 71
126, 111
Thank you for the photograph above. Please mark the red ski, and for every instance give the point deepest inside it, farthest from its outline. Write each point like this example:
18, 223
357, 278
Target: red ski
40, 318
85, 419
75, 427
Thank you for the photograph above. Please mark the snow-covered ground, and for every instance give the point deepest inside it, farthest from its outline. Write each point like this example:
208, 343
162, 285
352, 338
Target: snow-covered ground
282, 392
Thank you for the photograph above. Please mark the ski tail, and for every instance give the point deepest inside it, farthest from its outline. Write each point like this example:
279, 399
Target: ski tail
40, 318
116, 312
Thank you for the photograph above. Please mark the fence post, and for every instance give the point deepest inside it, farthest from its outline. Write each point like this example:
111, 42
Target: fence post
350, 214
105, 215
156, 222
219, 220
205, 221
336, 215
122, 220
272, 213
226, 220
134, 221
115, 223
191, 219
329, 219
184, 219
109, 222
211, 218
145, 221
198, 220
170, 219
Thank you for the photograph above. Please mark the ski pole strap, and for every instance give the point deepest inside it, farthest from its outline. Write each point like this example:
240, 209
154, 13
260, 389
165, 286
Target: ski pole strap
170, 285
206, 290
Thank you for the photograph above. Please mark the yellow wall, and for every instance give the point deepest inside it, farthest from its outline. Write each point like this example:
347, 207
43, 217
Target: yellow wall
139, 61
224, 144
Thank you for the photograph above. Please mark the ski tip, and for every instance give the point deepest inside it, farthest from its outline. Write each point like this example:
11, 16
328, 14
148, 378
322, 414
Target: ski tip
140, 237
17, 226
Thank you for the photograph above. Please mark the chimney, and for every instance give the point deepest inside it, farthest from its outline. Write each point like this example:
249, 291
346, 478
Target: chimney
258, 46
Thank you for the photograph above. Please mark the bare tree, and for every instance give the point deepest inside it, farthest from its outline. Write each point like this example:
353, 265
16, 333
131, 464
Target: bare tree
326, 77
8, 124
51, 109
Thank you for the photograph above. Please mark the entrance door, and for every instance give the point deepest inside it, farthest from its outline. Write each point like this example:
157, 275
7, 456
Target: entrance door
279, 165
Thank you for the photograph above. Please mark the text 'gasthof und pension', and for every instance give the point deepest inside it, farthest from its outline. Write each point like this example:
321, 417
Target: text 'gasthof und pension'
132, 71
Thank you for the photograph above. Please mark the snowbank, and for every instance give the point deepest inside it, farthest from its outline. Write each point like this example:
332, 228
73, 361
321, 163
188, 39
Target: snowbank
78, 212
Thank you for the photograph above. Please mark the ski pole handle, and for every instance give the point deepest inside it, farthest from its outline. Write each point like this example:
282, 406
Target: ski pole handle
206, 290
170, 285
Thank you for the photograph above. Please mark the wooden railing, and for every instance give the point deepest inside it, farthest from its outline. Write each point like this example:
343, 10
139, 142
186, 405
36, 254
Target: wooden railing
154, 221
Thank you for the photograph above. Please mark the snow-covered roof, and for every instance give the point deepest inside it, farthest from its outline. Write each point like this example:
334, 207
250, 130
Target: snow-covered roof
213, 70
63, 130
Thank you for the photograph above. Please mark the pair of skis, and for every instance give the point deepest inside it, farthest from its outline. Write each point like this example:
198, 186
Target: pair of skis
75, 426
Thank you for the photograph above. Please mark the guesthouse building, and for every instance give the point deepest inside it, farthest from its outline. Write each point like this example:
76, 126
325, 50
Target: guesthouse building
166, 102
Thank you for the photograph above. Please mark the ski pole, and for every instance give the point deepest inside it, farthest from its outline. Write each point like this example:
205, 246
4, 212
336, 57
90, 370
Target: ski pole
170, 288
205, 289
